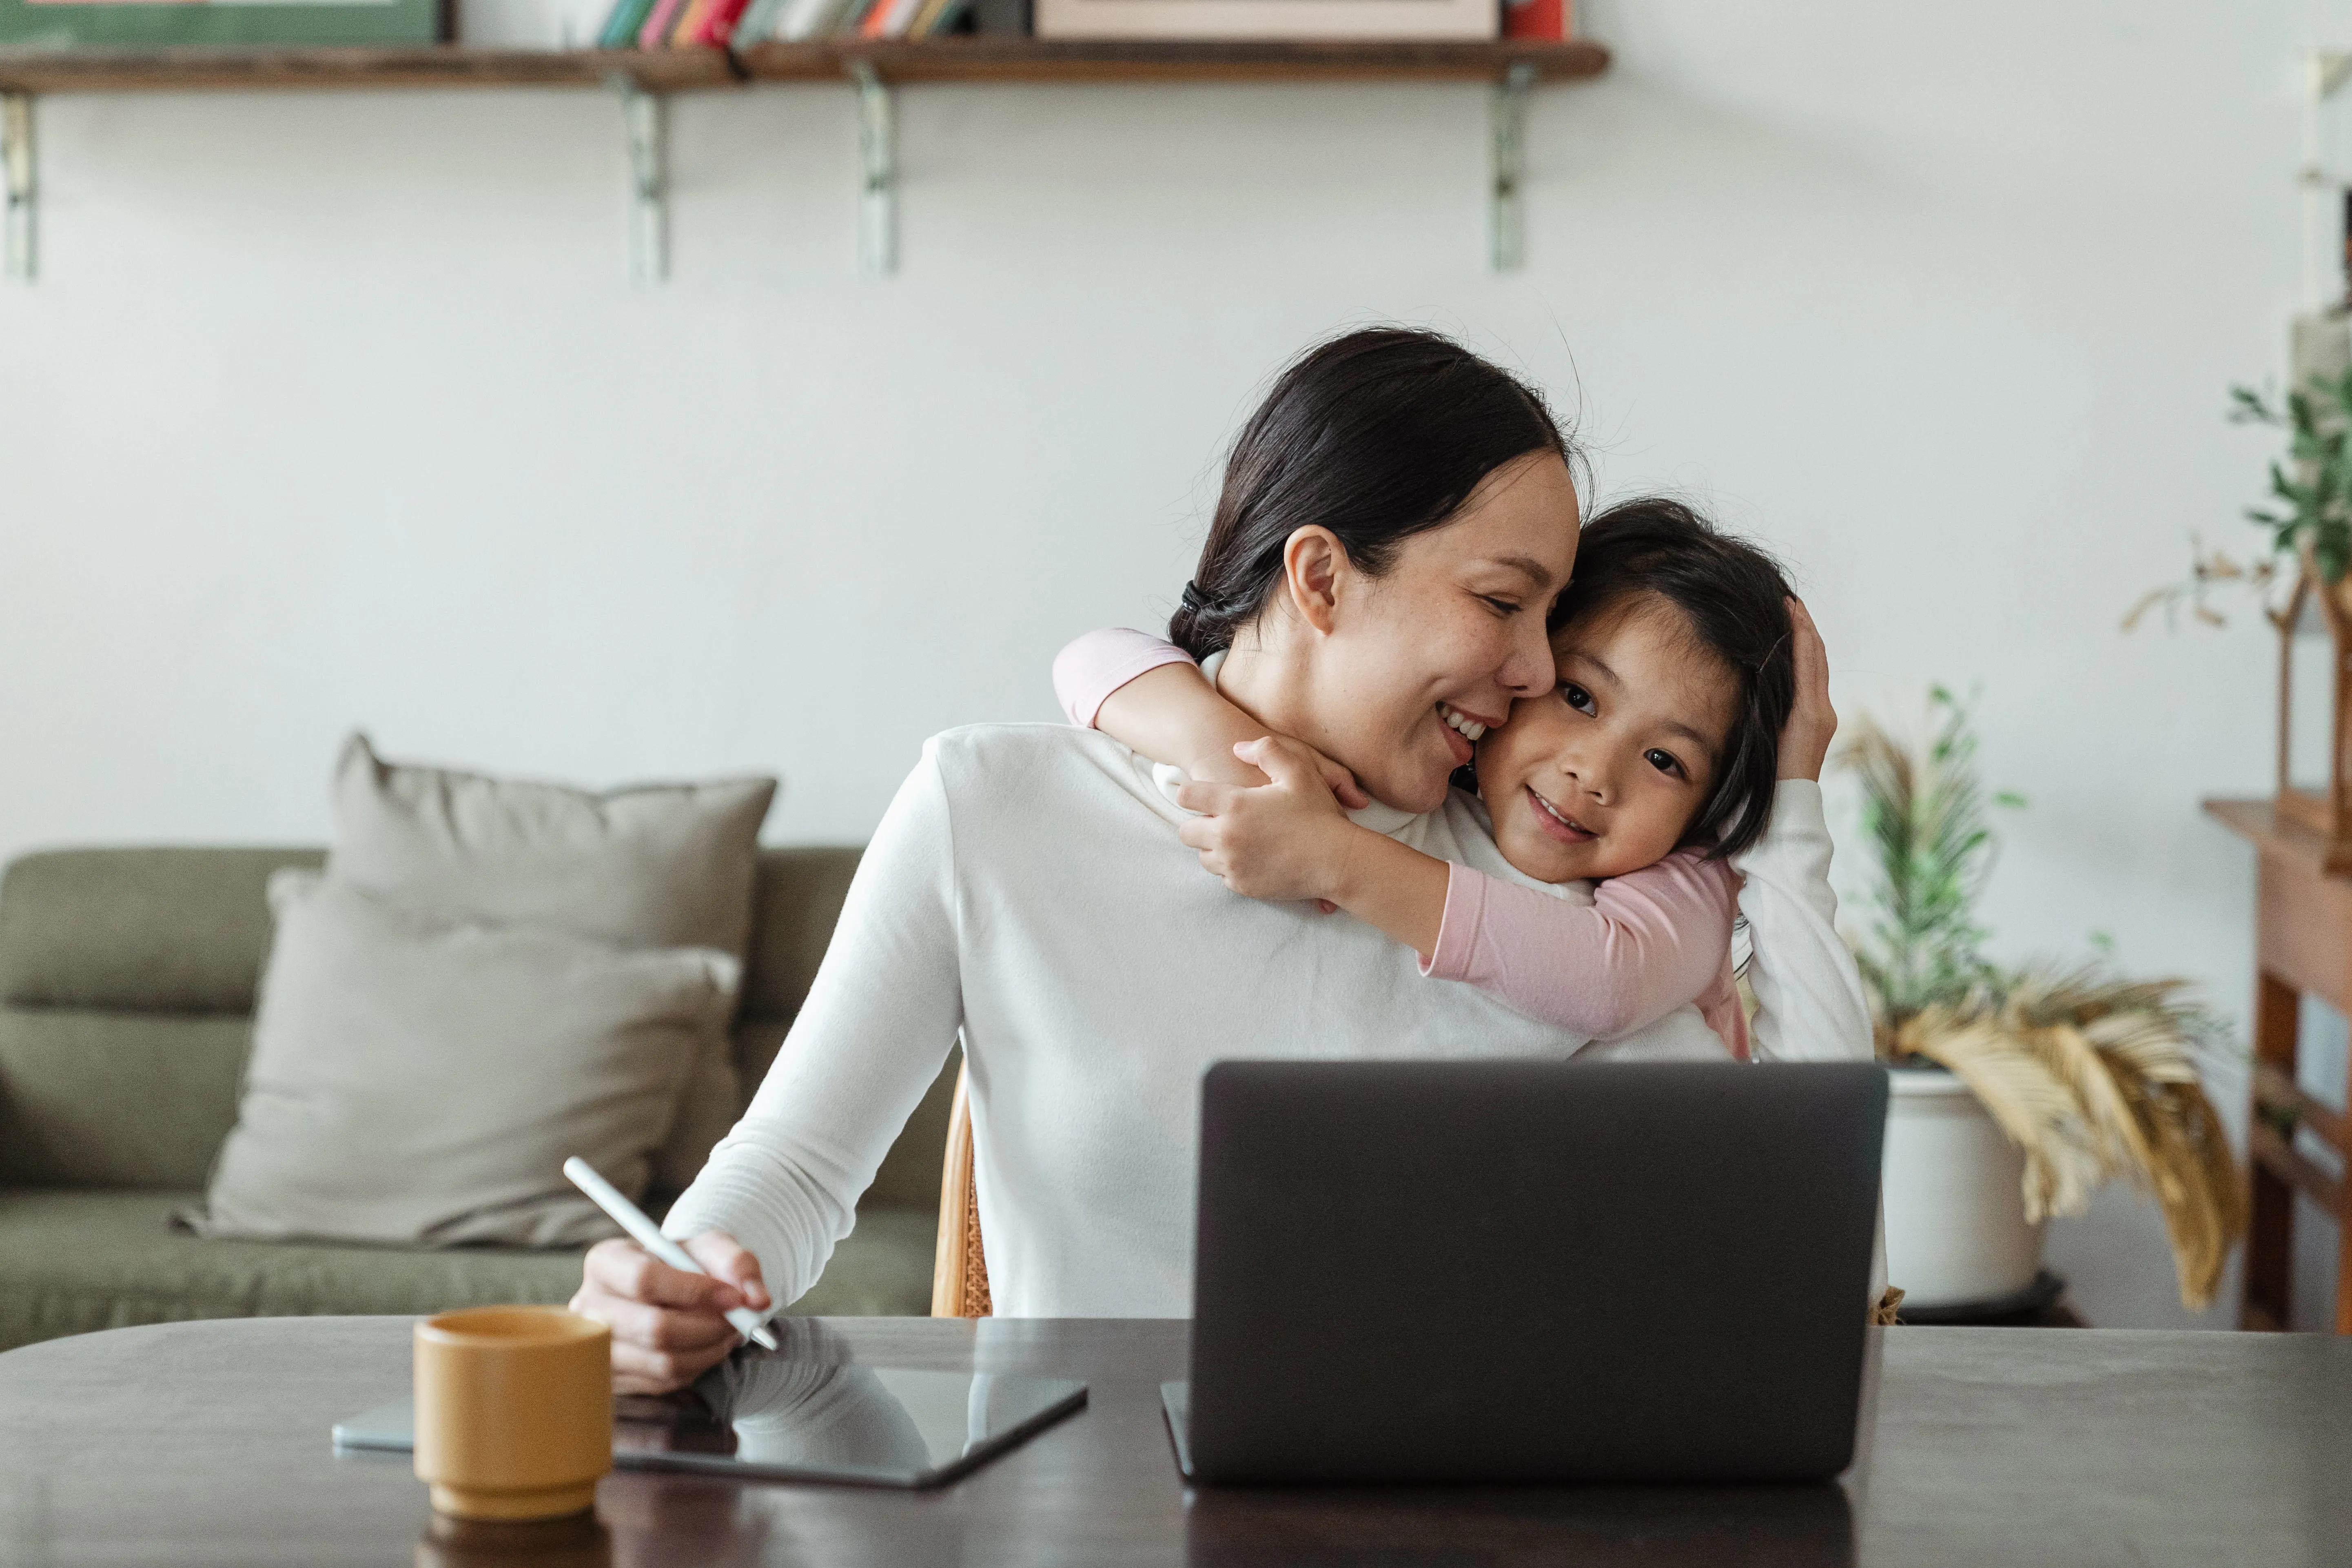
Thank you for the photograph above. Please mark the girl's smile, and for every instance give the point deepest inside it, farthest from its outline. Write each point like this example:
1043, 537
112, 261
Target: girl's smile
1558, 823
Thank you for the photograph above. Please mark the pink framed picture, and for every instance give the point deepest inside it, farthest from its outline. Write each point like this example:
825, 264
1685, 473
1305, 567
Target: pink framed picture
1366, 19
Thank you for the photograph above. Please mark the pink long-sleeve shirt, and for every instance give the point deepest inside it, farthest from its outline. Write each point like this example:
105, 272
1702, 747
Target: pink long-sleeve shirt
1651, 940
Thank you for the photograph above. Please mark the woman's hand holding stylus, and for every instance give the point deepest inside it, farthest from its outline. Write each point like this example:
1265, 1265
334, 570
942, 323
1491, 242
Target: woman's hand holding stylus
669, 1326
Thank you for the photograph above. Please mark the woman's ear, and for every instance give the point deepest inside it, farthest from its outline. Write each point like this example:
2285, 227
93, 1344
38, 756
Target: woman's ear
1314, 563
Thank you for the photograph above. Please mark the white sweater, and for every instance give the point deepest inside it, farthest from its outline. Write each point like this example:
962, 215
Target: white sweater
1026, 888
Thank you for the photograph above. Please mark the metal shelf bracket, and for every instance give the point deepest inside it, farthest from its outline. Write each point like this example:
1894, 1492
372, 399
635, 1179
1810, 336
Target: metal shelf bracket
1507, 206
24, 193
643, 115
877, 147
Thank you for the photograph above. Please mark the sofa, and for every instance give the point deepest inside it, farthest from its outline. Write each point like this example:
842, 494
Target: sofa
127, 984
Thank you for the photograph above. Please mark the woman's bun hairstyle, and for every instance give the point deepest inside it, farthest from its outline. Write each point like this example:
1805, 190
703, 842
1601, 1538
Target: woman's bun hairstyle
1734, 600
1377, 435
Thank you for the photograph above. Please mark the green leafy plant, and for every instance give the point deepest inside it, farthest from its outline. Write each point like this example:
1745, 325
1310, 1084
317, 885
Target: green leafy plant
2092, 1075
1924, 812
2310, 517
2317, 490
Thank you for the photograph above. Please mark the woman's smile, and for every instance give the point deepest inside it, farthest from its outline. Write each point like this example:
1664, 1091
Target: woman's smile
1461, 732
1557, 822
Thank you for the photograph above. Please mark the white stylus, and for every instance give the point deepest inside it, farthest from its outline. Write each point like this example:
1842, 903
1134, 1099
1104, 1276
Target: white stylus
647, 1235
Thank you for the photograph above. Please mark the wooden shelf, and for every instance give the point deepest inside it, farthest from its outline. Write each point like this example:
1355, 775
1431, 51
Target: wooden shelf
678, 71
1152, 60
645, 78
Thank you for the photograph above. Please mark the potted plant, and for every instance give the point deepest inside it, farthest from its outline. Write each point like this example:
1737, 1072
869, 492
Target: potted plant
2016, 1093
2303, 584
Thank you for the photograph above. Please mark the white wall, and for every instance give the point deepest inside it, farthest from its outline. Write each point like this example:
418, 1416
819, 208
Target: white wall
337, 410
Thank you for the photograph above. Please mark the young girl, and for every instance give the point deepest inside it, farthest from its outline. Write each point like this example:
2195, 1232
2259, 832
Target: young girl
1655, 759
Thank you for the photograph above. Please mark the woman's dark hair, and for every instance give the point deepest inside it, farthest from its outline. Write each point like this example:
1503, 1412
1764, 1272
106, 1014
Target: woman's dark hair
1376, 435
1734, 600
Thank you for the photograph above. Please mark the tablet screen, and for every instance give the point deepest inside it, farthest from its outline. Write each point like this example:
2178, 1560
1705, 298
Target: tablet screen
765, 1416
764, 1413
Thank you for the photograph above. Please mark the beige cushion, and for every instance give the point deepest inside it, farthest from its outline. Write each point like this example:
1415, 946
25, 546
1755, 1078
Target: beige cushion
652, 866
418, 1080
648, 865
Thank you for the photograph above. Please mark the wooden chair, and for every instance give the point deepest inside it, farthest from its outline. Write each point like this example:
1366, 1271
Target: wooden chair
960, 1267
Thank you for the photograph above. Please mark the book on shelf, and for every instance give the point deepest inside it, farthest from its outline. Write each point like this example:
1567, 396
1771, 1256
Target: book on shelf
802, 19
659, 23
1000, 19
690, 24
281, 24
683, 24
1367, 20
888, 18
715, 26
622, 25
1539, 21
758, 21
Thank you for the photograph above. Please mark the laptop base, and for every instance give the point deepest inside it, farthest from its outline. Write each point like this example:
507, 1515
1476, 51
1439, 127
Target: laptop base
1176, 1403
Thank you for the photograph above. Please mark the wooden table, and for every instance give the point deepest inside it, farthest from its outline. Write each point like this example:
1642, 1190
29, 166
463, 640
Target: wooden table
2302, 945
206, 1443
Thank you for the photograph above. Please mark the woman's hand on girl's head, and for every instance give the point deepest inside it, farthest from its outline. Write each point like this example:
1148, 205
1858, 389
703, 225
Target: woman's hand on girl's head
1281, 841
1812, 722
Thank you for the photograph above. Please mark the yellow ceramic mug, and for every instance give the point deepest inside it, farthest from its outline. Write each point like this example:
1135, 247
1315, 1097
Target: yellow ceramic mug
514, 1411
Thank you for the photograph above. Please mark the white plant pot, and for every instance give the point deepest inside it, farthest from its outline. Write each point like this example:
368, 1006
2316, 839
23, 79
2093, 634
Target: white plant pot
1956, 1230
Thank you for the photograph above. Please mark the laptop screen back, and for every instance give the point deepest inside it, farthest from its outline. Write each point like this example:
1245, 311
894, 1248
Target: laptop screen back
1514, 1270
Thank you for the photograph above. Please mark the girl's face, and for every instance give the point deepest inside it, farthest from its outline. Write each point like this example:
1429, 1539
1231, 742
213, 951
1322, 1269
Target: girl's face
1603, 774
1450, 633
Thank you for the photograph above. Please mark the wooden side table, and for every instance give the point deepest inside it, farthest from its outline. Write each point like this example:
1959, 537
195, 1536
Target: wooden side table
2302, 944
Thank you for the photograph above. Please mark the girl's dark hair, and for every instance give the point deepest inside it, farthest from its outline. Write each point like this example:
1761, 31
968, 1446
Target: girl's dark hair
1376, 435
1734, 600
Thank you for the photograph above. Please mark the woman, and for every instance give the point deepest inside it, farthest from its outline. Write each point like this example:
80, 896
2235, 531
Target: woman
1027, 887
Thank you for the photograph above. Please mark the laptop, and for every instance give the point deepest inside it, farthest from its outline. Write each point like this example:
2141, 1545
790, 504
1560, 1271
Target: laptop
1523, 1271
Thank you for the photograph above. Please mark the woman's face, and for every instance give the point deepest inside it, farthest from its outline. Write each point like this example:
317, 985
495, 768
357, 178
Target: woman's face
1449, 636
1603, 774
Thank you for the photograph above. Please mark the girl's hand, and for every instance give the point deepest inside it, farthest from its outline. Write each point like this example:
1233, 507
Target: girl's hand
1280, 841
1805, 738
1238, 766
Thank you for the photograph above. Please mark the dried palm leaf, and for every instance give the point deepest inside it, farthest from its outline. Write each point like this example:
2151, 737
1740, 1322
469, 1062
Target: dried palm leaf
2028, 1102
2096, 1077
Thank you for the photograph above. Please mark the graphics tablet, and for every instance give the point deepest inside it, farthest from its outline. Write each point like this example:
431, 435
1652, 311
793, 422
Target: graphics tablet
764, 1417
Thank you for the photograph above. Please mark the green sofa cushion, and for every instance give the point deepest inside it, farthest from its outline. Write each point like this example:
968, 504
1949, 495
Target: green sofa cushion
149, 930
71, 1262
116, 1099
796, 897
186, 931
